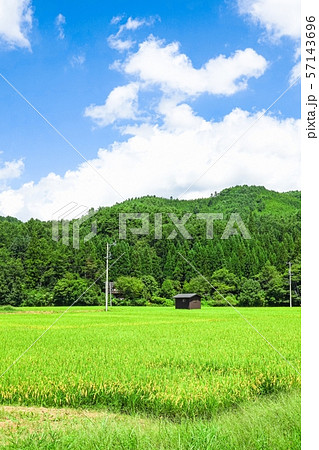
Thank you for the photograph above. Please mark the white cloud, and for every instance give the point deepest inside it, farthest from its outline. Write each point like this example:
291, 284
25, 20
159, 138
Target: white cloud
134, 24
278, 17
116, 42
164, 71
15, 23
120, 104
297, 54
77, 60
164, 65
116, 19
178, 118
119, 44
295, 73
59, 22
166, 160
11, 169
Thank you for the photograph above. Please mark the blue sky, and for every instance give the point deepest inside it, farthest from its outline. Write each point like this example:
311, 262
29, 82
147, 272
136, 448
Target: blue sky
161, 125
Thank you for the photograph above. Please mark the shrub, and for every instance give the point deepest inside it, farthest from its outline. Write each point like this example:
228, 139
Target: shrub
7, 308
219, 300
139, 302
131, 287
38, 297
74, 289
170, 288
197, 285
161, 301
120, 302
150, 286
251, 294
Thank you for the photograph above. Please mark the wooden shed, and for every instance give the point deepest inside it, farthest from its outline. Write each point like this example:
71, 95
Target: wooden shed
187, 301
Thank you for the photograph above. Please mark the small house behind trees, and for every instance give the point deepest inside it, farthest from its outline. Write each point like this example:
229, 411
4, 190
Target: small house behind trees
115, 292
187, 301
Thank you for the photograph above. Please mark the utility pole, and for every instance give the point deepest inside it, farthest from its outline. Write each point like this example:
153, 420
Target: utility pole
290, 296
107, 276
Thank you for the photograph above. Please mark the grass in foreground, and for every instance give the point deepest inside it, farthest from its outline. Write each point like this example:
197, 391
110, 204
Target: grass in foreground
268, 423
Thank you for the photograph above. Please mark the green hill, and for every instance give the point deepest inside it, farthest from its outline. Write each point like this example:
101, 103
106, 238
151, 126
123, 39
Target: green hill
31, 261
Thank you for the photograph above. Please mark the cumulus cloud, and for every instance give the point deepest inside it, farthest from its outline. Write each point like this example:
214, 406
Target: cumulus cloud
120, 104
165, 160
164, 69
60, 22
15, 23
164, 65
279, 18
11, 169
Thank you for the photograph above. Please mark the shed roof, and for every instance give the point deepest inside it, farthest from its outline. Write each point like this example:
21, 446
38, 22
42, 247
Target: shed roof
186, 295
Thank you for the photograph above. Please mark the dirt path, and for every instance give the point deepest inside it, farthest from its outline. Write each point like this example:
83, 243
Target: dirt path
23, 420
15, 420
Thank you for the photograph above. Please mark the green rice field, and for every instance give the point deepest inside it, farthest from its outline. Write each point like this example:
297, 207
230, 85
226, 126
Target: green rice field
160, 361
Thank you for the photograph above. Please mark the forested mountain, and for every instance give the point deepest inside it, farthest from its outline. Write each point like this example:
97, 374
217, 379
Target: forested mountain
35, 269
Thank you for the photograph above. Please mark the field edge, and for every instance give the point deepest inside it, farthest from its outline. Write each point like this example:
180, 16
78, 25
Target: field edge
272, 422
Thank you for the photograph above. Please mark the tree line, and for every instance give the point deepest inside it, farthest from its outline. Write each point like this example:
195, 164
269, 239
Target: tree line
36, 270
